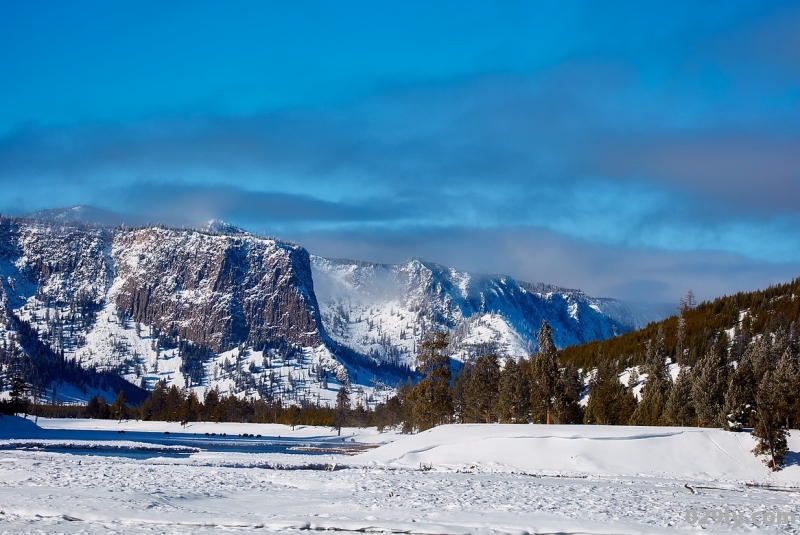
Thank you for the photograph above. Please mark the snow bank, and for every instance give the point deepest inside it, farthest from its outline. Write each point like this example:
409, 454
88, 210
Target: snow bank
673, 452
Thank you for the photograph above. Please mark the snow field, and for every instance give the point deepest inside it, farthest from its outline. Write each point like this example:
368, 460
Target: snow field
451, 479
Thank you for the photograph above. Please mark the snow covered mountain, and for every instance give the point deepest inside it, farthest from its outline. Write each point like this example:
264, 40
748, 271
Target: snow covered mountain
218, 307
385, 310
200, 310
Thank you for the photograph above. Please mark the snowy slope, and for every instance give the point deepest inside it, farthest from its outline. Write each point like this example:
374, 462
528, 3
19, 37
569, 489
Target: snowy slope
386, 310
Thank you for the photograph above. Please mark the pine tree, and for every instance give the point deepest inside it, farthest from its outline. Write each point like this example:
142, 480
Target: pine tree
650, 410
769, 428
405, 393
360, 416
210, 403
342, 415
688, 302
708, 389
759, 355
294, 415
513, 396
680, 408
543, 376
610, 402
459, 392
172, 406
119, 409
740, 398
566, 407
786, 375
190, 411
482, 389
93, 407
680, 349
18, 396
153, 407
432, 400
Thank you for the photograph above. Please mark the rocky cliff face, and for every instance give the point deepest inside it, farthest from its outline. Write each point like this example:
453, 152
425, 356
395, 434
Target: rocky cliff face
216, 290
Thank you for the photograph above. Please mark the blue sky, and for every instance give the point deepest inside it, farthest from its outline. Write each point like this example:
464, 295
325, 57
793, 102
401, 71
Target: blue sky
630, 150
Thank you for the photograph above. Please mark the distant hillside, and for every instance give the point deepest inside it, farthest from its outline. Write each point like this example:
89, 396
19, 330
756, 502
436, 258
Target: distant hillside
752, 313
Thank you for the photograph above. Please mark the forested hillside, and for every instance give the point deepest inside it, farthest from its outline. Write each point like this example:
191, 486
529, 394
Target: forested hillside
743, 315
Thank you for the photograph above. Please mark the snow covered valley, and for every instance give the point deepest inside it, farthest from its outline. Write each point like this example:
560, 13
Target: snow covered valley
451, 479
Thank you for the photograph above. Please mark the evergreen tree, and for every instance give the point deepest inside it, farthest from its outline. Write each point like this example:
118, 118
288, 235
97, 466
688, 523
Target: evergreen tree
680, 408
680, 349
210, 403
543, 376
688, 302
104, 409
119, 409
295, 413
388, 414
173, 404
18, 397
433, 404
708, 389
93, 407
786, 380
191, 409
566, 407
360, 416
153, 407
459, 392
513, 396
610, 402
740, 398
405, 393
759, 355
342, 415
769, 428
482, 389
739, 344
650, 410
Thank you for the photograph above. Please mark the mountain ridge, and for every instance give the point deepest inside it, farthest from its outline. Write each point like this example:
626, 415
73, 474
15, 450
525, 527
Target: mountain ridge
257, 313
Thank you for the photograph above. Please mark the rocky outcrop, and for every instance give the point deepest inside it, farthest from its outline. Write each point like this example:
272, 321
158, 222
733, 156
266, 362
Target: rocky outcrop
216, 290
211, 289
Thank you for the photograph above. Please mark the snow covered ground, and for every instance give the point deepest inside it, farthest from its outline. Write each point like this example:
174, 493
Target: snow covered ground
452, 479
